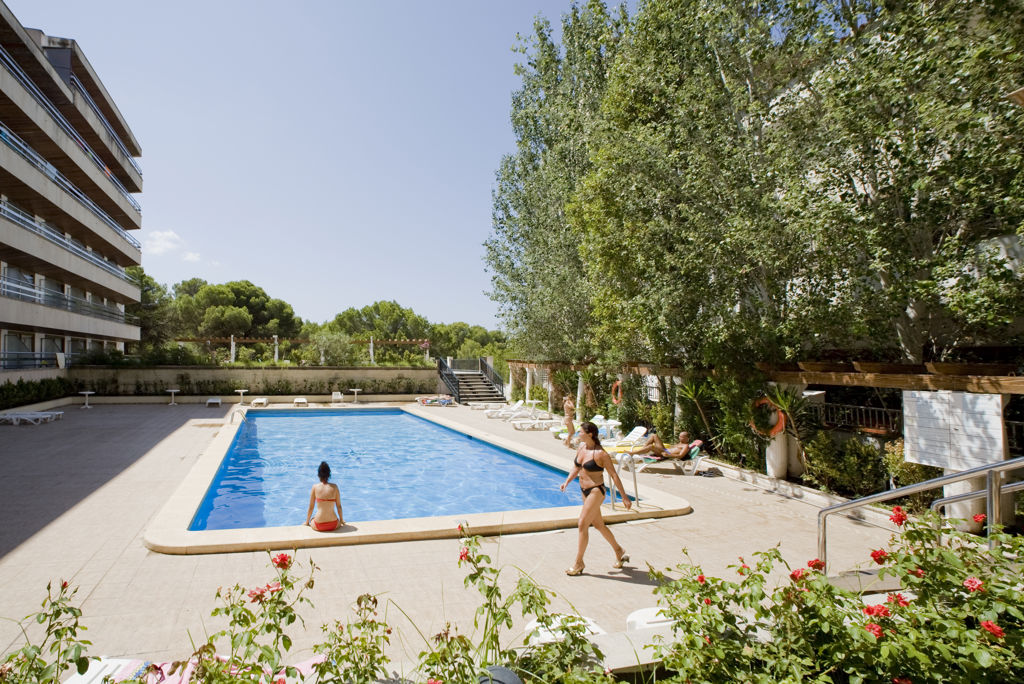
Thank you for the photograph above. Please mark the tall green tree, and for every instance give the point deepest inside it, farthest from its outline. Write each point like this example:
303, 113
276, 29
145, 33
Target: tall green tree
533, 255
154, 309
913, 149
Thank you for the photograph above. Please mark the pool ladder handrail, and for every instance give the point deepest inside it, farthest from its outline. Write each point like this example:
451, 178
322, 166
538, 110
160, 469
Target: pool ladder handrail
239, 411
993, 489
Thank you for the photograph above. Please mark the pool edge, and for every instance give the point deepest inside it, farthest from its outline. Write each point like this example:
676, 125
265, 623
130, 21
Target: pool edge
168, 531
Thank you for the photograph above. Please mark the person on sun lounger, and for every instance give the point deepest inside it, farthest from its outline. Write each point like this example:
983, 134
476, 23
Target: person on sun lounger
656, 447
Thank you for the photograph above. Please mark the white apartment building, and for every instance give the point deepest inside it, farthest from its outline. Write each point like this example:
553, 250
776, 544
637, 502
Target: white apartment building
67, 176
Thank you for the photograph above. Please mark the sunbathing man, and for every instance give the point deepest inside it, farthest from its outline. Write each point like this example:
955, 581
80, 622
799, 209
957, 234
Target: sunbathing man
655, 446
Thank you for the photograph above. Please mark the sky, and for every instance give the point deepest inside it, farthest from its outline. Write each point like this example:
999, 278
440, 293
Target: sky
333, 152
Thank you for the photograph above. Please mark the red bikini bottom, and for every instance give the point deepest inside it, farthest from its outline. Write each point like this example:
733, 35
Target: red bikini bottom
325, 526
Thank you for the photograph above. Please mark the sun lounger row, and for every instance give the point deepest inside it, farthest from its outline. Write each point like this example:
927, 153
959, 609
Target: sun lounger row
31, 417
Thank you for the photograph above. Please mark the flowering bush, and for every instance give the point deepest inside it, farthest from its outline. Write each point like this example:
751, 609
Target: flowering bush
60, 642
959, 618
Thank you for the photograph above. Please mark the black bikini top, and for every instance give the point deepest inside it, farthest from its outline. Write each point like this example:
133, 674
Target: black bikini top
590, 465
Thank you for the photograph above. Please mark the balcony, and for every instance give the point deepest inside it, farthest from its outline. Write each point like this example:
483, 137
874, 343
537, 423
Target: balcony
861, 418
29, 222
77, 85
55, 300
31, 156
12, 67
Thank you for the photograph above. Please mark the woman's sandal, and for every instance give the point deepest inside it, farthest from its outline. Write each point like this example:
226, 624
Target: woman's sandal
623, 559
575, 571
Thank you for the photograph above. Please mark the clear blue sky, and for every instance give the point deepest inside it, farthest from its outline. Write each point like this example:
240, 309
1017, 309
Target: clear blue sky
333, 152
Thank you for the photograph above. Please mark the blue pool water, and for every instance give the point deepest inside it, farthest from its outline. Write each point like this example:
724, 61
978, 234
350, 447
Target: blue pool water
387, 463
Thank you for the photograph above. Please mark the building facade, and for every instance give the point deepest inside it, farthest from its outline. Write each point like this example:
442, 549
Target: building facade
67, 213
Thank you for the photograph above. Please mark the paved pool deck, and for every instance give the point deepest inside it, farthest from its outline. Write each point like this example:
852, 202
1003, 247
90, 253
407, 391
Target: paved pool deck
78, 495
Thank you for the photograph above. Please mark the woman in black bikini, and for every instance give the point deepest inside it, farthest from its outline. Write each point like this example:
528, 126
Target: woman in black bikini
590, 464
327, 498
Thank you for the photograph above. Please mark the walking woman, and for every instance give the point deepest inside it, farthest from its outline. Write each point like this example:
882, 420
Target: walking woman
569, 410
327, 498
590, 464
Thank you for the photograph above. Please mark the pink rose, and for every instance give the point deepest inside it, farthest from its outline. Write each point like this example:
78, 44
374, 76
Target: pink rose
898, 599
876, 611
973, 584
464, 554
874, 629
898, 516
797, 574
993, 628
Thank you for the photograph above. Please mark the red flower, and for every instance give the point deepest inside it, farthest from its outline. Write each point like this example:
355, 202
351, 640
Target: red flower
816, 564
993, 628
461, 531
879, 556
898, 599
434, 681
707, 601
273, 588
256, 595
918, 572
797, 574
901, 680
282, 680
874, 629
979, 517
63, 584
701, 579
282, 560
973, 584
898, 516
877, 611
464, 554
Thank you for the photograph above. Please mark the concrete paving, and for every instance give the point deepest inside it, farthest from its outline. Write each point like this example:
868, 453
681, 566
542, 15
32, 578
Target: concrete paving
76, 497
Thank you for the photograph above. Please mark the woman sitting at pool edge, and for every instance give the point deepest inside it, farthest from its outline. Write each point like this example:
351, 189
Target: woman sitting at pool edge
326, 496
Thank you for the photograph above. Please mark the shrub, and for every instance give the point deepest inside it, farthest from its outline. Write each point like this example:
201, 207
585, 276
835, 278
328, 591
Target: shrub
902, 473
13, 394
960, 620
853, 468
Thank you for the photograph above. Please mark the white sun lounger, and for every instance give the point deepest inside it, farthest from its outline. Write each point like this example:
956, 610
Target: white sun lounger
535, 423
31, 417
260, 402
543, 635
300, 401
485, 405
505, 411
213, 401
337, 398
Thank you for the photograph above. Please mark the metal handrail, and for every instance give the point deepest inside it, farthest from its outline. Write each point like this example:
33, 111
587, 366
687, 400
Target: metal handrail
976, 494
992, 492
106, 124
26, 220
57, 300
492, 376
12, 66
449, 379
31, 156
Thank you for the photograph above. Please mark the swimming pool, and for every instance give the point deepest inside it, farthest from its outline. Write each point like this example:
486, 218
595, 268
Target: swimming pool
388, 464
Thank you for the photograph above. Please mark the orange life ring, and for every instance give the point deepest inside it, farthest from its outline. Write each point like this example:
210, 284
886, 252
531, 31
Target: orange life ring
617, 392
780, 423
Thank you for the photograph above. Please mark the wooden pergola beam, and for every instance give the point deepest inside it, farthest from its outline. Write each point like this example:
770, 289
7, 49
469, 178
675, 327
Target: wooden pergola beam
985, 384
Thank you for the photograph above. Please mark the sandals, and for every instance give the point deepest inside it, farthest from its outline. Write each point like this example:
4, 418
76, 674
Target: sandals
623, 559
575, 571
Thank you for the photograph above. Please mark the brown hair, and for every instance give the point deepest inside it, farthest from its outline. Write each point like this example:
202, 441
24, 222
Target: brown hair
324, 472
591, 430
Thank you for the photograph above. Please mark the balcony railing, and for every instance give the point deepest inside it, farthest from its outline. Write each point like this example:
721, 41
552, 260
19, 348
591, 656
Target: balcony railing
45, 103
34, 158
26, 220
449, 379
1015, 437
57, 300
77, 85
861, 417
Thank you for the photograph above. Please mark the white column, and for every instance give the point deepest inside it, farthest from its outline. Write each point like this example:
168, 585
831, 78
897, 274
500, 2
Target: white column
529, 381
232, 349
275, 348
579, 396
372, 362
